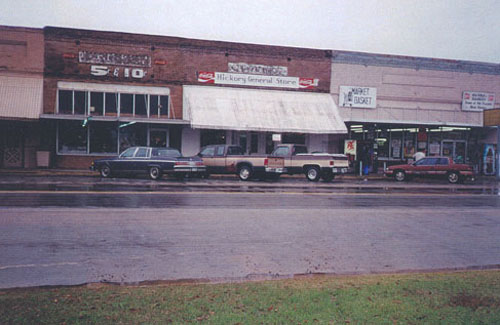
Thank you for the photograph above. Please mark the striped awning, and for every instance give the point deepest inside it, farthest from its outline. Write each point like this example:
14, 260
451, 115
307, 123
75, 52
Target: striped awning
21, 97
209, 107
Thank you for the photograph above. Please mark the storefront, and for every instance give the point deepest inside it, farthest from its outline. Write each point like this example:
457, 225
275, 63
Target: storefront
105, 92
21, 90
404, 105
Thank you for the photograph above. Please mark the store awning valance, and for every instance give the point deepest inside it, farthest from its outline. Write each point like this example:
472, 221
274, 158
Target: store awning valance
241, 109
21, 97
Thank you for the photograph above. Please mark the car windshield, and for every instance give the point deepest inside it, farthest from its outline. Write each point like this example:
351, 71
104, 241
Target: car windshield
166, 152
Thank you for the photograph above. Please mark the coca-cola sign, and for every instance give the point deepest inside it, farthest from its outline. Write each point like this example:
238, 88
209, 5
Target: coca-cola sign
225, 78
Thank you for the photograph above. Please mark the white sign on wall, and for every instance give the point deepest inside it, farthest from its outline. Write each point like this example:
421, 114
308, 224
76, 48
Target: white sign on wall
477, 101
226, 78
355, 96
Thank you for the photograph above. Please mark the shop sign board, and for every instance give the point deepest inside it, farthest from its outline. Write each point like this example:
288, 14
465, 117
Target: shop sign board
477, 101
132, 60
102, 70
492, 117
356, 96
276, 137
350, 147
269, 70
241, 79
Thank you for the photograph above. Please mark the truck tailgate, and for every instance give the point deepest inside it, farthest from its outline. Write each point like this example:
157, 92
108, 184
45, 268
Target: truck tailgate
275, 162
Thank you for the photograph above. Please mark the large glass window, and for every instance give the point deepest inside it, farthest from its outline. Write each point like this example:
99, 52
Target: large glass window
126, 104
164, 106
111, 104
212, 137
132, 136
103, 137
141, 104
72, 137
96, 103
158, 138
65, 102
80, 102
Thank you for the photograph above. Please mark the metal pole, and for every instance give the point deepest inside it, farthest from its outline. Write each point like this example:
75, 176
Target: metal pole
360, 168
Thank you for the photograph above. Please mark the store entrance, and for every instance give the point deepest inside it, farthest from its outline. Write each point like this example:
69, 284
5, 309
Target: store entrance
455, 149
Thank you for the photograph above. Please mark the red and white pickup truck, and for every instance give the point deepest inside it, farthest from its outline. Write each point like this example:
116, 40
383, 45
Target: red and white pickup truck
230, 159
432, 167
297, 160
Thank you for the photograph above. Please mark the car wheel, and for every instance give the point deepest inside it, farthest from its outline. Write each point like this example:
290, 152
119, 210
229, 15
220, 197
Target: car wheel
400, 175
453, 177
312, 174
154, 173
327, 177
105, 171
245, 172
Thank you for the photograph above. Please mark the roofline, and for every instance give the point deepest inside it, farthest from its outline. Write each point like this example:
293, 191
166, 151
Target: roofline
413, 62
175, 41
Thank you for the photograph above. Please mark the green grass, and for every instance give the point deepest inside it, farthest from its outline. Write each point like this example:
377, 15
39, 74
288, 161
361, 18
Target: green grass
445, 298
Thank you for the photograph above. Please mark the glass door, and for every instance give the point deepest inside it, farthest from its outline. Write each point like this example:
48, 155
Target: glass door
455, 149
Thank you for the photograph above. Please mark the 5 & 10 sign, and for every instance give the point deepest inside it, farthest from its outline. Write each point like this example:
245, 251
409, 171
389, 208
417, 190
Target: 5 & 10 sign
102, 70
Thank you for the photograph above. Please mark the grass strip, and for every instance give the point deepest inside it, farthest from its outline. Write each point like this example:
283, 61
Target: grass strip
471, 297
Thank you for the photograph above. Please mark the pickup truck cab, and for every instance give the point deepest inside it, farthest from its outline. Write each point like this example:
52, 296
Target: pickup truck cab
230, 159
297, 160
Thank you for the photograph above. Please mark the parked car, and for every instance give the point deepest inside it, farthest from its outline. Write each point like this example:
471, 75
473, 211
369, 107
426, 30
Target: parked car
151, 161
432, 167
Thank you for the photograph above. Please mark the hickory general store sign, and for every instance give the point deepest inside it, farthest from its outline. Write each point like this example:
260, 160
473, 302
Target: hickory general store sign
227, 78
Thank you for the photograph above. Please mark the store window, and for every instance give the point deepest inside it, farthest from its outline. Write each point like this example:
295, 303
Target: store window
96, 103
111, 104
72, 137
212, 137
132, 136
158, 138
294, 138
103, 137
80, 102
126, 104
65, 102
141, 104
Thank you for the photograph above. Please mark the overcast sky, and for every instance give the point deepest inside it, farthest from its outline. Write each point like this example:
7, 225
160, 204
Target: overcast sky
450, 29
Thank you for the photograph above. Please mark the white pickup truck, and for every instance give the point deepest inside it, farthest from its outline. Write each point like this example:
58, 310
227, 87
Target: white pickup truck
297, 160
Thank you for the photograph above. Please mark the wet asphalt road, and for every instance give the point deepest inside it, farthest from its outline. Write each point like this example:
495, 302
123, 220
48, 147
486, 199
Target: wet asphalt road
128, 234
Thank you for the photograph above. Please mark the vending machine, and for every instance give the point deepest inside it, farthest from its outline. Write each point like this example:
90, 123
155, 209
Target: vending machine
489, 154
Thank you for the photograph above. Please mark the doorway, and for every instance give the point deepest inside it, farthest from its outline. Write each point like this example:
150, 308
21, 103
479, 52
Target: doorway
455, 149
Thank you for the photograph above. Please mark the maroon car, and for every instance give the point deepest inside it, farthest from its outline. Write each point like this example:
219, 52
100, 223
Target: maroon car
432, 166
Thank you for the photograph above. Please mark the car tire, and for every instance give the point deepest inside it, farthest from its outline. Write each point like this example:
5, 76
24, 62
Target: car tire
312, 174
400, 175
245, 173
105, 171
154, 173
327, 177
453, 177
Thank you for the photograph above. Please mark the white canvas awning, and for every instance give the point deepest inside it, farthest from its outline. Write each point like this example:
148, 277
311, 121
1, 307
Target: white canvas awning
241, 109
21, 97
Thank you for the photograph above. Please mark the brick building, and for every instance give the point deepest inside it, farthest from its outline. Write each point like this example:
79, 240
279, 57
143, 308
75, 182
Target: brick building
75, 95
21, 85
106, 91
